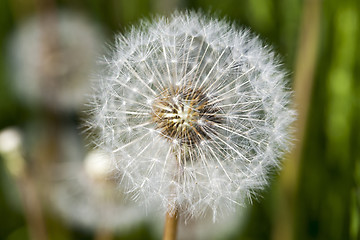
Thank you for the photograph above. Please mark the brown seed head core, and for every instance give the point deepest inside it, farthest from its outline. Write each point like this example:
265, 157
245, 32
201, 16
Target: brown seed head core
185, 115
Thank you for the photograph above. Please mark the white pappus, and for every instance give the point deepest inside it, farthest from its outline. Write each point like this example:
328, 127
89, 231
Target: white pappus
194, 112
51, 57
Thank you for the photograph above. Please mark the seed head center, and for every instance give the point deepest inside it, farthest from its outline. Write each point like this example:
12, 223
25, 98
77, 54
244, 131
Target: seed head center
180, 115
184, 115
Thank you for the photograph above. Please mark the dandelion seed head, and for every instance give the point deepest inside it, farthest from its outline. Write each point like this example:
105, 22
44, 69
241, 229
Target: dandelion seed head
218, 120
52, 57
83, 194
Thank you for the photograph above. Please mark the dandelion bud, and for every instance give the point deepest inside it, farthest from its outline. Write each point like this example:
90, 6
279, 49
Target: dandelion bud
194, 113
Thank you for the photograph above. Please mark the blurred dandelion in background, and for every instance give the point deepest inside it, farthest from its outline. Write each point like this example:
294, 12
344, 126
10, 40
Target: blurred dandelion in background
83, 194
52, 57
194, 112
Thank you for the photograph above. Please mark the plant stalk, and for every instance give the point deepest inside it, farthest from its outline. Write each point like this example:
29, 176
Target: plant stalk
171, 222
284, 227
103, 234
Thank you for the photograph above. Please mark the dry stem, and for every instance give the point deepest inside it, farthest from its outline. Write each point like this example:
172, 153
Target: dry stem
170, 229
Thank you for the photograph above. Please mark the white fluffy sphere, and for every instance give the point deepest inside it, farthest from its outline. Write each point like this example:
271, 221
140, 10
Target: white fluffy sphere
194, 113
52, 58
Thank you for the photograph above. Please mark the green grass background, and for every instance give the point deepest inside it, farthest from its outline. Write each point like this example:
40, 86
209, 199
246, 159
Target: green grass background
325, 200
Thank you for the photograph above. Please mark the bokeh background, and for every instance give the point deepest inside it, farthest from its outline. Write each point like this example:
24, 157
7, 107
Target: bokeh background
316, 195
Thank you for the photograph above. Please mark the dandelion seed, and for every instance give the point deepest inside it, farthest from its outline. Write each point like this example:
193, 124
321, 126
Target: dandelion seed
219, 115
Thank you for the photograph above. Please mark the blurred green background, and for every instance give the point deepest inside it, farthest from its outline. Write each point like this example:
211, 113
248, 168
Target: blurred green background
317, 193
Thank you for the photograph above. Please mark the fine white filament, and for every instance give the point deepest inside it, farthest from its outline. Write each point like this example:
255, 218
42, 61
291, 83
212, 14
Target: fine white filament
194, 113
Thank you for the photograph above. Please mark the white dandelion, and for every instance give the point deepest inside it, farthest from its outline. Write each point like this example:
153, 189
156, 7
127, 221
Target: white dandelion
51, 58
194, 112
83, 194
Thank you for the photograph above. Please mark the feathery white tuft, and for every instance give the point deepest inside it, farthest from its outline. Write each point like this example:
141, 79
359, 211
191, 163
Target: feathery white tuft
83, 194
194, 112
52, 57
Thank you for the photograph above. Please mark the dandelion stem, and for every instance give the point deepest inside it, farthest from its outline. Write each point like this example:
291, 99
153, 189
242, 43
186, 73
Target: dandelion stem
103, 234
170, 229
29, 196
32, 207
